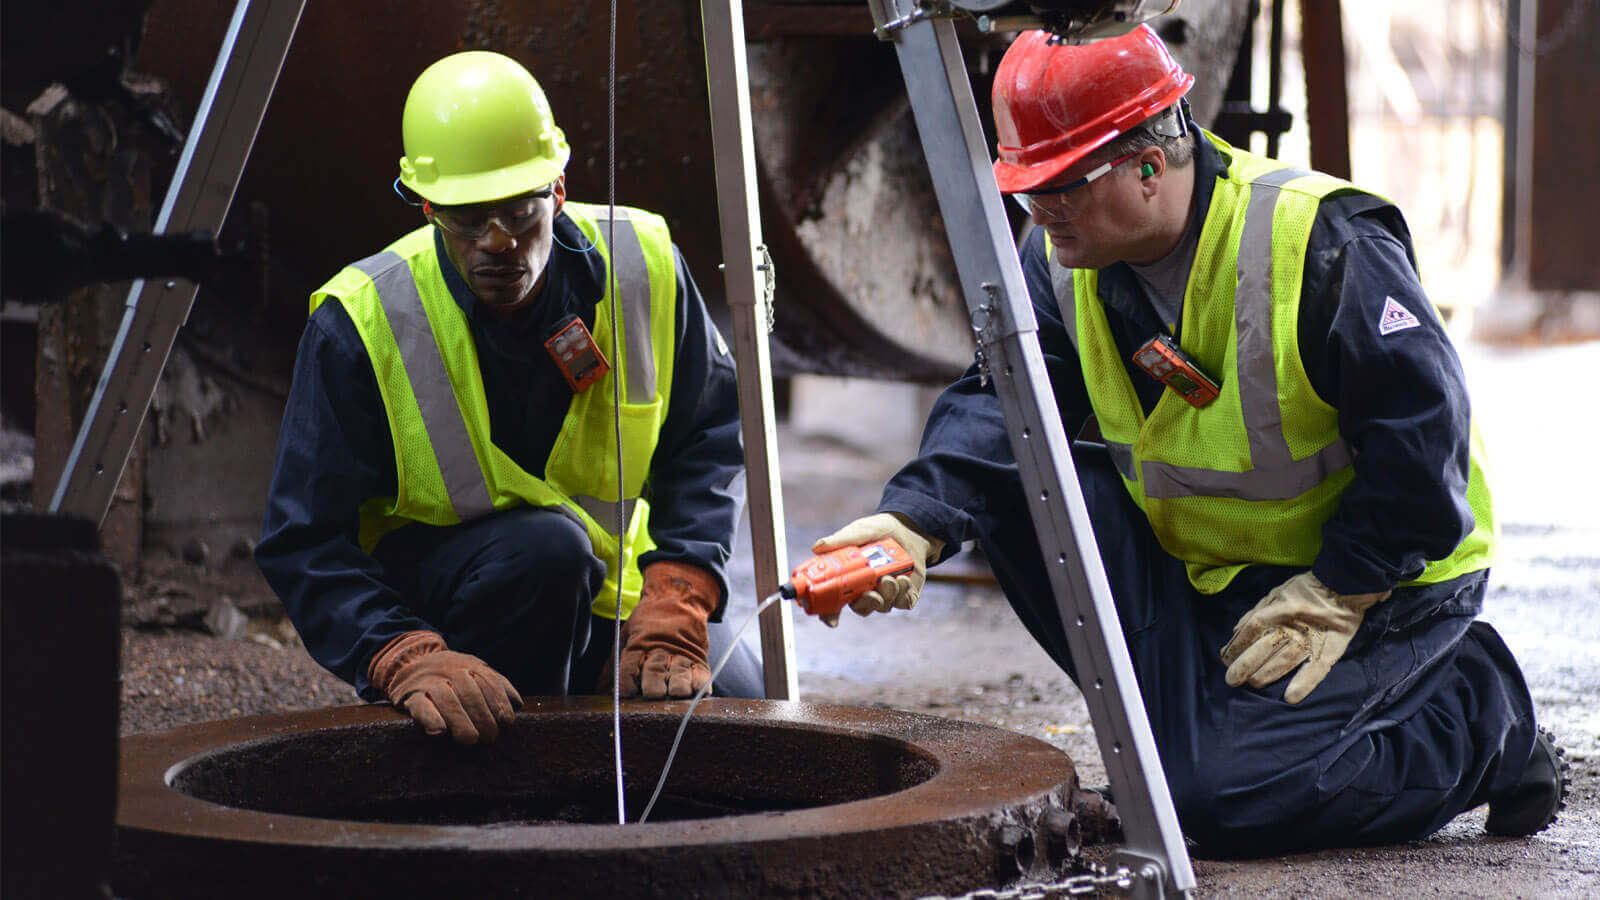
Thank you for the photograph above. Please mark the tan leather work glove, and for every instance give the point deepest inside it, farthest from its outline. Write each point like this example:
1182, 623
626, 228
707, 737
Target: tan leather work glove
894, 591
1299, 621
444, 690
664, 642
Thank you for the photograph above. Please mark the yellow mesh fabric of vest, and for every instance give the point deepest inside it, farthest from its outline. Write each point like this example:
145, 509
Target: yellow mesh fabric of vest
1292, 222
1217, 536
421, 495
587, 467
589, 425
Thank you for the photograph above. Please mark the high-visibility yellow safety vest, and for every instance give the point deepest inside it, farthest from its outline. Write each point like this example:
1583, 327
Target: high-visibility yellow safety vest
1252, 477
426, 364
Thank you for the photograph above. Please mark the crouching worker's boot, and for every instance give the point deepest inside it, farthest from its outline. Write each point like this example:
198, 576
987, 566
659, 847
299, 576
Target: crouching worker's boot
1530, 805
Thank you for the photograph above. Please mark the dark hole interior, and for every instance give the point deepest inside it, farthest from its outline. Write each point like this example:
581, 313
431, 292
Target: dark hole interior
553, 769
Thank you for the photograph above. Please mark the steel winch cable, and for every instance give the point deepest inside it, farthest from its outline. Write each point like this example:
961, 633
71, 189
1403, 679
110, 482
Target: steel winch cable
684, 722
616, 409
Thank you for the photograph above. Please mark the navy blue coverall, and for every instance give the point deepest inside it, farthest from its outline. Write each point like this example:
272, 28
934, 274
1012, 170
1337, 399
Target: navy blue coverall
1427, 713
513, 587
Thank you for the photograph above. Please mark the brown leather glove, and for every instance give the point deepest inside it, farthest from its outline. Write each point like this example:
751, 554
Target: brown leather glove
444, 690
664, 642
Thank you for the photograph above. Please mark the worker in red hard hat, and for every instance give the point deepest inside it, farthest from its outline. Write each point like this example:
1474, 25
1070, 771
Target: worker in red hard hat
445, 514
1277, 452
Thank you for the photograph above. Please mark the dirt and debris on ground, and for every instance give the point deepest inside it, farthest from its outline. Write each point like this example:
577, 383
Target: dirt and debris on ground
1543, 598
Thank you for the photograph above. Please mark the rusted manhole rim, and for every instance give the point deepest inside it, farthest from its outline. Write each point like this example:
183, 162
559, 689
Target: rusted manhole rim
941, 834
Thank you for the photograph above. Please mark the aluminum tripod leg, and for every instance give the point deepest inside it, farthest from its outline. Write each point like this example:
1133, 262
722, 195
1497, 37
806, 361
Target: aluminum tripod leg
749, 296
1002, 317
202, 189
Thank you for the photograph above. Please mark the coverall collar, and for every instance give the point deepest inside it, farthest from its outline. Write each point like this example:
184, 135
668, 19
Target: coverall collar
574, 282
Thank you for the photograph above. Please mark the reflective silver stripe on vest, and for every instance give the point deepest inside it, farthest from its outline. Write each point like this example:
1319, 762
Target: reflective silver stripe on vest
1066, 298
1275, 474
605, 511
1166, 481
419, 352
1252, 316
1122, 458
633, 299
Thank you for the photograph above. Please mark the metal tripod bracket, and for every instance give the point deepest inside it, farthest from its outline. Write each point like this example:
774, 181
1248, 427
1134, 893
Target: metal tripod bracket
1008, 347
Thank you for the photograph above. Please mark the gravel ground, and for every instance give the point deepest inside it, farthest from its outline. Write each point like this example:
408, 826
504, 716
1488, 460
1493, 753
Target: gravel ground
1543, 596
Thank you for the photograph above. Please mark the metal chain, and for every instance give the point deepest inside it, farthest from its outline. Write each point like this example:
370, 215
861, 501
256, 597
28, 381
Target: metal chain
769, 285
1096, 879
982, 318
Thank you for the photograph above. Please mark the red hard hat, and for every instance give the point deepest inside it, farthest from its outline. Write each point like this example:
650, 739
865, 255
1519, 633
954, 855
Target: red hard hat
1054, 103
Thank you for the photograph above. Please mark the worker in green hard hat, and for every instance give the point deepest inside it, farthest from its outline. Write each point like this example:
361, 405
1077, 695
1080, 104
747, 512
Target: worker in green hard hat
445, 516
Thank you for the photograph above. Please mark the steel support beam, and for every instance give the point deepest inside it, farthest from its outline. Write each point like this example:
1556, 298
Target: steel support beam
748, 273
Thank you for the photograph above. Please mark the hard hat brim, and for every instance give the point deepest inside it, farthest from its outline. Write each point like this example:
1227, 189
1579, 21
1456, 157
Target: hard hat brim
1014, 178
487, 187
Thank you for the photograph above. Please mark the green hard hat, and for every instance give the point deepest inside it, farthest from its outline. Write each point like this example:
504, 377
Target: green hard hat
477, 128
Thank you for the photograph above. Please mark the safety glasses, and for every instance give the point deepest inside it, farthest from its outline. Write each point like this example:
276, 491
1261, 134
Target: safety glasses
514, 216
1051, 197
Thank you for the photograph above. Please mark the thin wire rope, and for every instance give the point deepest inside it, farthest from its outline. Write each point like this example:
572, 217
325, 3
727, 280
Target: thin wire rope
616, 410
683, 723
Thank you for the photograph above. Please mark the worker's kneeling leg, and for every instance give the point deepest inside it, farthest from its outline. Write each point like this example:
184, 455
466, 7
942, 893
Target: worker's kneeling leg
1424, 718
1143, 578
513, 588
1420, 720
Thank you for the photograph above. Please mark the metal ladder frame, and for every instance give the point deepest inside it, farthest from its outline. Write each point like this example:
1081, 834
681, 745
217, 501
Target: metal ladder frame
1003, 322
202, 189
749, 279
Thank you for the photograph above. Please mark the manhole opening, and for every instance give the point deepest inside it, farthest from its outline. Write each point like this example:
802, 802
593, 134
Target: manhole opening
552, 769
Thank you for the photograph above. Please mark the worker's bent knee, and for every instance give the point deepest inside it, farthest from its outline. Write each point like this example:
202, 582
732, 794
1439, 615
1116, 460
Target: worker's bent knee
543, 547
1233, 808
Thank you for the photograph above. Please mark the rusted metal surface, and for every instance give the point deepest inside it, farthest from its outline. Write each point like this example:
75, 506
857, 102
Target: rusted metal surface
93, 160
765, 798
1559, 255
849, 210
1327, 96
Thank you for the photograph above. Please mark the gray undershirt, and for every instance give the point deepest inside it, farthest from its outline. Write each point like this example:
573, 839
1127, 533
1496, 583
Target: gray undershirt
1167, 278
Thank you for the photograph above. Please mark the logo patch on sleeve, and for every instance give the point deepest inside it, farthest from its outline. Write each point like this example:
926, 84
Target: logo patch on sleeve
1395, 317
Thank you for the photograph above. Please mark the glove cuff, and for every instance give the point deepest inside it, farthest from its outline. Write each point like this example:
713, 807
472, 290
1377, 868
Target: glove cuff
387, 664
681, 584
1358, 602
932, 545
